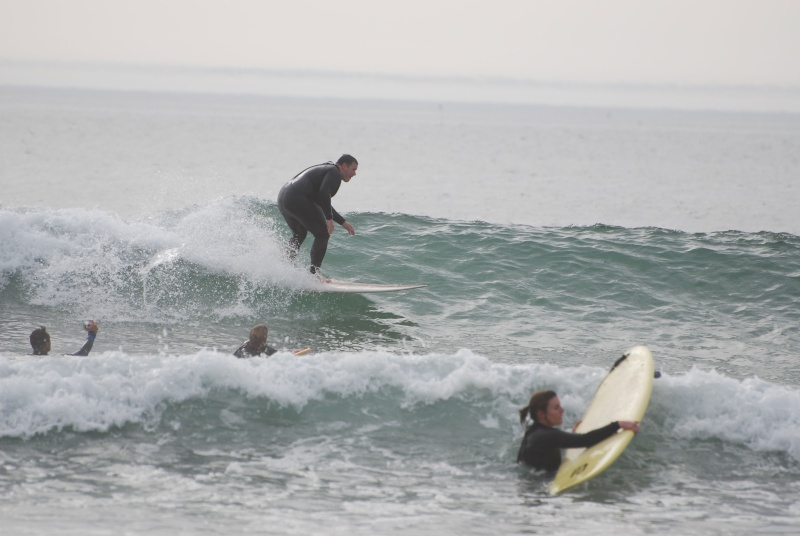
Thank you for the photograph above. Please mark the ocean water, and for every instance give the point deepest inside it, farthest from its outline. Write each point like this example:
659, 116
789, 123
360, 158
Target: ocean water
550, 239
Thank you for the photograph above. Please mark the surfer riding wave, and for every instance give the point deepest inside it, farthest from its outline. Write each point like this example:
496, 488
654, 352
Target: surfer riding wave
305, 203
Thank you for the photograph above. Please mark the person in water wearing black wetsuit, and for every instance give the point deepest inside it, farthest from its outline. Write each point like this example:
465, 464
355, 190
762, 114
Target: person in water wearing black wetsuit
256, 344
305, 203
40, 339
542, 444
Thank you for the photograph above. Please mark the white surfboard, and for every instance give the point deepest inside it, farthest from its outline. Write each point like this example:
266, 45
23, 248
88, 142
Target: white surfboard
623, 395
349, 287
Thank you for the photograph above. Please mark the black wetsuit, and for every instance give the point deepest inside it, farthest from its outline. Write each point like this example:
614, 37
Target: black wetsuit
87, 346
541, 446
305, 203
244, 350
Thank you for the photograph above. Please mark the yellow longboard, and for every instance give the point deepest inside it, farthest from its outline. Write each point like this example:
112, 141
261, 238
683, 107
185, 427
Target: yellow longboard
623, 395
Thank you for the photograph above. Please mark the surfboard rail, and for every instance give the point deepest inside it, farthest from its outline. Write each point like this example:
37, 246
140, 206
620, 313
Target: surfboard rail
351, 287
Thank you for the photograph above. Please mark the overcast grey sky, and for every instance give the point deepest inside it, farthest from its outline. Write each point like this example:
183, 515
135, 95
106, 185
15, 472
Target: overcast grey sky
676, 42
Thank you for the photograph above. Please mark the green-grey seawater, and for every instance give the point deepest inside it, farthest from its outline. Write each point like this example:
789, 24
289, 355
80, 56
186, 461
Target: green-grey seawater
155, 215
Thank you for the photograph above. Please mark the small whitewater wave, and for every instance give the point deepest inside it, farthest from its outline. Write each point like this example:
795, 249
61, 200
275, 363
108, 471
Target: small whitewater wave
219, 254
570, 295
708, 405
199, 259
115, 390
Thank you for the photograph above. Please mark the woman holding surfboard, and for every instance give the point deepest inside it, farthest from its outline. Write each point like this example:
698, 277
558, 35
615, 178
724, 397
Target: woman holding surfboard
542, 444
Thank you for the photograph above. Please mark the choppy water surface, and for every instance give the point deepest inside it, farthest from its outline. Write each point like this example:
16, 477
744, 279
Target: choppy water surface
403, 420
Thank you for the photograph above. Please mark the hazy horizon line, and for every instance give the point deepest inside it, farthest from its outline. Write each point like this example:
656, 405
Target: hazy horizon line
305, 83
227, 69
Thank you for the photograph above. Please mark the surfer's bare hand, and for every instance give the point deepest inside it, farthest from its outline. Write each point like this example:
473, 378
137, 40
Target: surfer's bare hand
633, 426
349, 228
330, 227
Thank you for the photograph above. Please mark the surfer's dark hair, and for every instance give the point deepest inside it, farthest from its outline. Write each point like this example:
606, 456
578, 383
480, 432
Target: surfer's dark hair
539, 401
347, 159
38, 337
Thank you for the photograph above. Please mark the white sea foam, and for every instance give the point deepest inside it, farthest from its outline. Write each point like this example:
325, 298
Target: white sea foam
69, 256
96, 393
705, 404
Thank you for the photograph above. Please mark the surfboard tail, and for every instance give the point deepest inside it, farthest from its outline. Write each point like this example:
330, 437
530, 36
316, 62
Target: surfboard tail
585, 467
